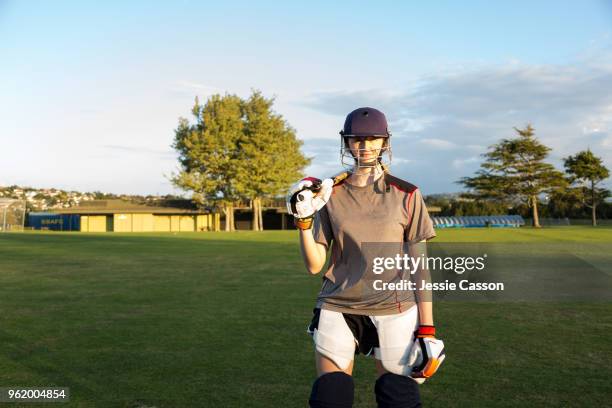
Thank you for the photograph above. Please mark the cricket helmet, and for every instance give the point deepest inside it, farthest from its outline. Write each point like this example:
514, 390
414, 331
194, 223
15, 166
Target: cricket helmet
364, 122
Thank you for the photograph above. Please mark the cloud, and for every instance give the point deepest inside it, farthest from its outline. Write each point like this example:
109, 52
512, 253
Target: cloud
441, 123
438, 143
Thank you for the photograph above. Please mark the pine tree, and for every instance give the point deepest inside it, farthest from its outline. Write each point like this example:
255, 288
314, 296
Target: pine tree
586, 171
514, 170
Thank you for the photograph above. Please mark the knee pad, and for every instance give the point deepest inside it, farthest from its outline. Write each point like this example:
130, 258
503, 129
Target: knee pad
332, 390
397, 391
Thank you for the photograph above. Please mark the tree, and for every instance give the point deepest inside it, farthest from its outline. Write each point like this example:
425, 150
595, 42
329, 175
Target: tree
209, 151
270, 155
514, 169
237, 150
565, 203
586, 171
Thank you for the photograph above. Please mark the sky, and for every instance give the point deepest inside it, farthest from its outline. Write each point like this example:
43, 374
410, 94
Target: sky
91, 92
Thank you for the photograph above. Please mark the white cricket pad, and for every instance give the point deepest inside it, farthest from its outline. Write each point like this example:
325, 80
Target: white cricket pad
396, 337
334, 339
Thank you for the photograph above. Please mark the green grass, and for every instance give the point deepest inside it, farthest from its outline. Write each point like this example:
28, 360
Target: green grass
219, 319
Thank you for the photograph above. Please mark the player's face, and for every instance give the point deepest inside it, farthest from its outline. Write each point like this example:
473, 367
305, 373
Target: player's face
366, 148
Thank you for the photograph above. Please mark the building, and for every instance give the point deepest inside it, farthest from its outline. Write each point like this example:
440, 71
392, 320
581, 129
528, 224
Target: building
125, 216
164, 216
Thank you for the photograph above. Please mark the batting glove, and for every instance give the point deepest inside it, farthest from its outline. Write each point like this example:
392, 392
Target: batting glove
306, 197
427, 353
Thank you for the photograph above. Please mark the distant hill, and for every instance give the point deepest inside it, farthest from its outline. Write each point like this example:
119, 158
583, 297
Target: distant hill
46, 199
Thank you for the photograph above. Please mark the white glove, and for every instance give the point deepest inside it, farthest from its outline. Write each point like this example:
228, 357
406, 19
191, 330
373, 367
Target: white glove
308, 196
426, 355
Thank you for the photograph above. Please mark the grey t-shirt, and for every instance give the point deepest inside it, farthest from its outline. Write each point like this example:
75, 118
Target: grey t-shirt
354, 222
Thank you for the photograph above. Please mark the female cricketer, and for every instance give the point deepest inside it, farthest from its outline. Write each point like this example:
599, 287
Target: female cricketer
345, 214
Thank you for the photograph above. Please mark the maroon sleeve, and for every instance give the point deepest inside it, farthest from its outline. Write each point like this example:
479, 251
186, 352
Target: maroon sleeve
419, 225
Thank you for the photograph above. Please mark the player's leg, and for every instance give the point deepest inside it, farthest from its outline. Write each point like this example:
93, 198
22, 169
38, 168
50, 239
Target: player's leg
334, 357
394, 387
395, 391
334, 386
380, 370
325, 365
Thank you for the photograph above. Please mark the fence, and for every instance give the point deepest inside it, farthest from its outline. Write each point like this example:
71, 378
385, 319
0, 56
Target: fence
12, 214
569, 221
478, 221
507, 221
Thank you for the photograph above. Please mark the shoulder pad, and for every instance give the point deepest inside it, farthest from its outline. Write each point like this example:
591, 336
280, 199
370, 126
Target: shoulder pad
399, 183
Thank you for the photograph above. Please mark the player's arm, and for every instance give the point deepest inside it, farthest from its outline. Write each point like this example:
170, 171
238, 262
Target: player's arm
425, 313
313, 253
304, 199
427, 353
425, 309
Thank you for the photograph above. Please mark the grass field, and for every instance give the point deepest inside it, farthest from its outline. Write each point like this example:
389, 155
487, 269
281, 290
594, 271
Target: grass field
219, 319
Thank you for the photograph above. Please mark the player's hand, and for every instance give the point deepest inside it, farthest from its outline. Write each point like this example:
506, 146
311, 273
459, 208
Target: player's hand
427, 353
308, 196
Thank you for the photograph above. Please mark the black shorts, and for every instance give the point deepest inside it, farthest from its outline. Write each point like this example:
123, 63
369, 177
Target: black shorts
361, 326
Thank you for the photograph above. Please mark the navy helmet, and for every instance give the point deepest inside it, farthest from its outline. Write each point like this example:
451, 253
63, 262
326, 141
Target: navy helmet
365, 122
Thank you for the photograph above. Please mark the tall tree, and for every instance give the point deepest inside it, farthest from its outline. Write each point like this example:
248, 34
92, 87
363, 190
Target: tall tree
565, 203
514, 169
270, 155
209, 150
586, 171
